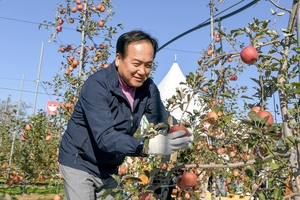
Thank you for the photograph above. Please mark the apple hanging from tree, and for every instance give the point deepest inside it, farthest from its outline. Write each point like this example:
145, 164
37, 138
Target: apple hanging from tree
101, 23
233, 77
60, 21
164, 166
256, 109
71, 20
73, 9
249, 55
188, 179
265, 113
209, 52
58, 28
145, 196
259, 151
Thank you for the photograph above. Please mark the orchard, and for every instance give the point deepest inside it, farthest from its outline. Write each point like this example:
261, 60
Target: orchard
245, 152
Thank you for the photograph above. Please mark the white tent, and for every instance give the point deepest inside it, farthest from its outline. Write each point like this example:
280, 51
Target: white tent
168, 86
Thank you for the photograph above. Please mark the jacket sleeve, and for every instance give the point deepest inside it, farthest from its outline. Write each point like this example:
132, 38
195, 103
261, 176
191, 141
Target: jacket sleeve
95, 107
156, 111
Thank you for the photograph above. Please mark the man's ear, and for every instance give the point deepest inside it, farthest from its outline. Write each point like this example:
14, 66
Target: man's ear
118, 58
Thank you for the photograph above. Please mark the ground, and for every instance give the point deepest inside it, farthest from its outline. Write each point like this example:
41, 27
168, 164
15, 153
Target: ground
28, 197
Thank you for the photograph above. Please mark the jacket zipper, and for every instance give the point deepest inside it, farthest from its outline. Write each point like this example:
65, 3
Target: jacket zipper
75, 158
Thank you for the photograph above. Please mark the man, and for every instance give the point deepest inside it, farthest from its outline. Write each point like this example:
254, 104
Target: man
108, 112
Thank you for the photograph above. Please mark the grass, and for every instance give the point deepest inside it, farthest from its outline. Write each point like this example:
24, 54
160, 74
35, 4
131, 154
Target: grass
32, 189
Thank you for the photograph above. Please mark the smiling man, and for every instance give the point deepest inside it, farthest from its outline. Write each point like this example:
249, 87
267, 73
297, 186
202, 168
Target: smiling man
108, 112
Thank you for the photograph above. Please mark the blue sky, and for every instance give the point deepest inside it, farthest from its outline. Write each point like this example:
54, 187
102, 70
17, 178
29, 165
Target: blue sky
21, 40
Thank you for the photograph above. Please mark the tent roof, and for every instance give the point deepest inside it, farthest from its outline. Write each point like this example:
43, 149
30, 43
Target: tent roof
170, 82
168, 85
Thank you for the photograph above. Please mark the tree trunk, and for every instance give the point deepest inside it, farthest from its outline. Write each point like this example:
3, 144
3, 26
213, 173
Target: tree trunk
283, 97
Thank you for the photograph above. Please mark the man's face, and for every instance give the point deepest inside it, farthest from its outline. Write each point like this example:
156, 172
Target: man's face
135, 67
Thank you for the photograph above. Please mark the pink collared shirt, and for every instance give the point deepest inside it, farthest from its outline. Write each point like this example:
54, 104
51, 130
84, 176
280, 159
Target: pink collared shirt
128, 91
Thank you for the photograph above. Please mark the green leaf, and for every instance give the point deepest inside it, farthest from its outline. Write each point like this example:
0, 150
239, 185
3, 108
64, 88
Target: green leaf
238, 33
288, 34
277, 193
271, 32
118, 196
280, 14
267, 160
225, 95
171, 100
234, 31
106, 193
247, 30
147, 173
246, 121
259, 36
264, 120
222, 33
289, 139
216, 109
246, 97
253, 115
117, 178
262, 196
249, 173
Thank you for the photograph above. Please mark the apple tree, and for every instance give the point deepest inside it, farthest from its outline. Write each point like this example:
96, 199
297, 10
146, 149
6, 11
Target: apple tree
85, 56
238, 145
258, 154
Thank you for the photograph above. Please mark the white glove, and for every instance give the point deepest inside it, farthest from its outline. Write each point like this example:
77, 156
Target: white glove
167, 144
191, 137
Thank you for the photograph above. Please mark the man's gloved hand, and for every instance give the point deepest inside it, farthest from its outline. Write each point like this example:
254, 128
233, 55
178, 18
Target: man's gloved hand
191, 137
167, 144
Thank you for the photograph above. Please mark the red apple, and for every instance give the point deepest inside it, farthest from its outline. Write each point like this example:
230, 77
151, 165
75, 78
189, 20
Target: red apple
145, 196
249, 55
60, 21
278, 135
58, 28
175, 128
101, 23
259, 151
263, 114
164, 166
233, 77
188, 179
73, 9
213, 117
256, 109
122, 170
27, 127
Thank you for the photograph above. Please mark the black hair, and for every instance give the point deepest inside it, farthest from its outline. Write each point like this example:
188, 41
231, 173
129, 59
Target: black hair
134, 36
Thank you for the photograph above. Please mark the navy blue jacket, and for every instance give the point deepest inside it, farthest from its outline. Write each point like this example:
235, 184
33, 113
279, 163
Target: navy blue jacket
99, 133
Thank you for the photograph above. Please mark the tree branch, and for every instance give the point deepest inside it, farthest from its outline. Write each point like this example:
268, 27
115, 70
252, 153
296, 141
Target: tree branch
280, 7
235, 165
291, 195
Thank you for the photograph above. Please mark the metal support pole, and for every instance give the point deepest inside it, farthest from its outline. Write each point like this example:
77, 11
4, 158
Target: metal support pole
38, 79
298, 36
82, 43
6, 104
14, 133
212, 46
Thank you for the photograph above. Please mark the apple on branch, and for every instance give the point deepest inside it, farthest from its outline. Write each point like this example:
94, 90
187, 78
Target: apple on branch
249, 55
